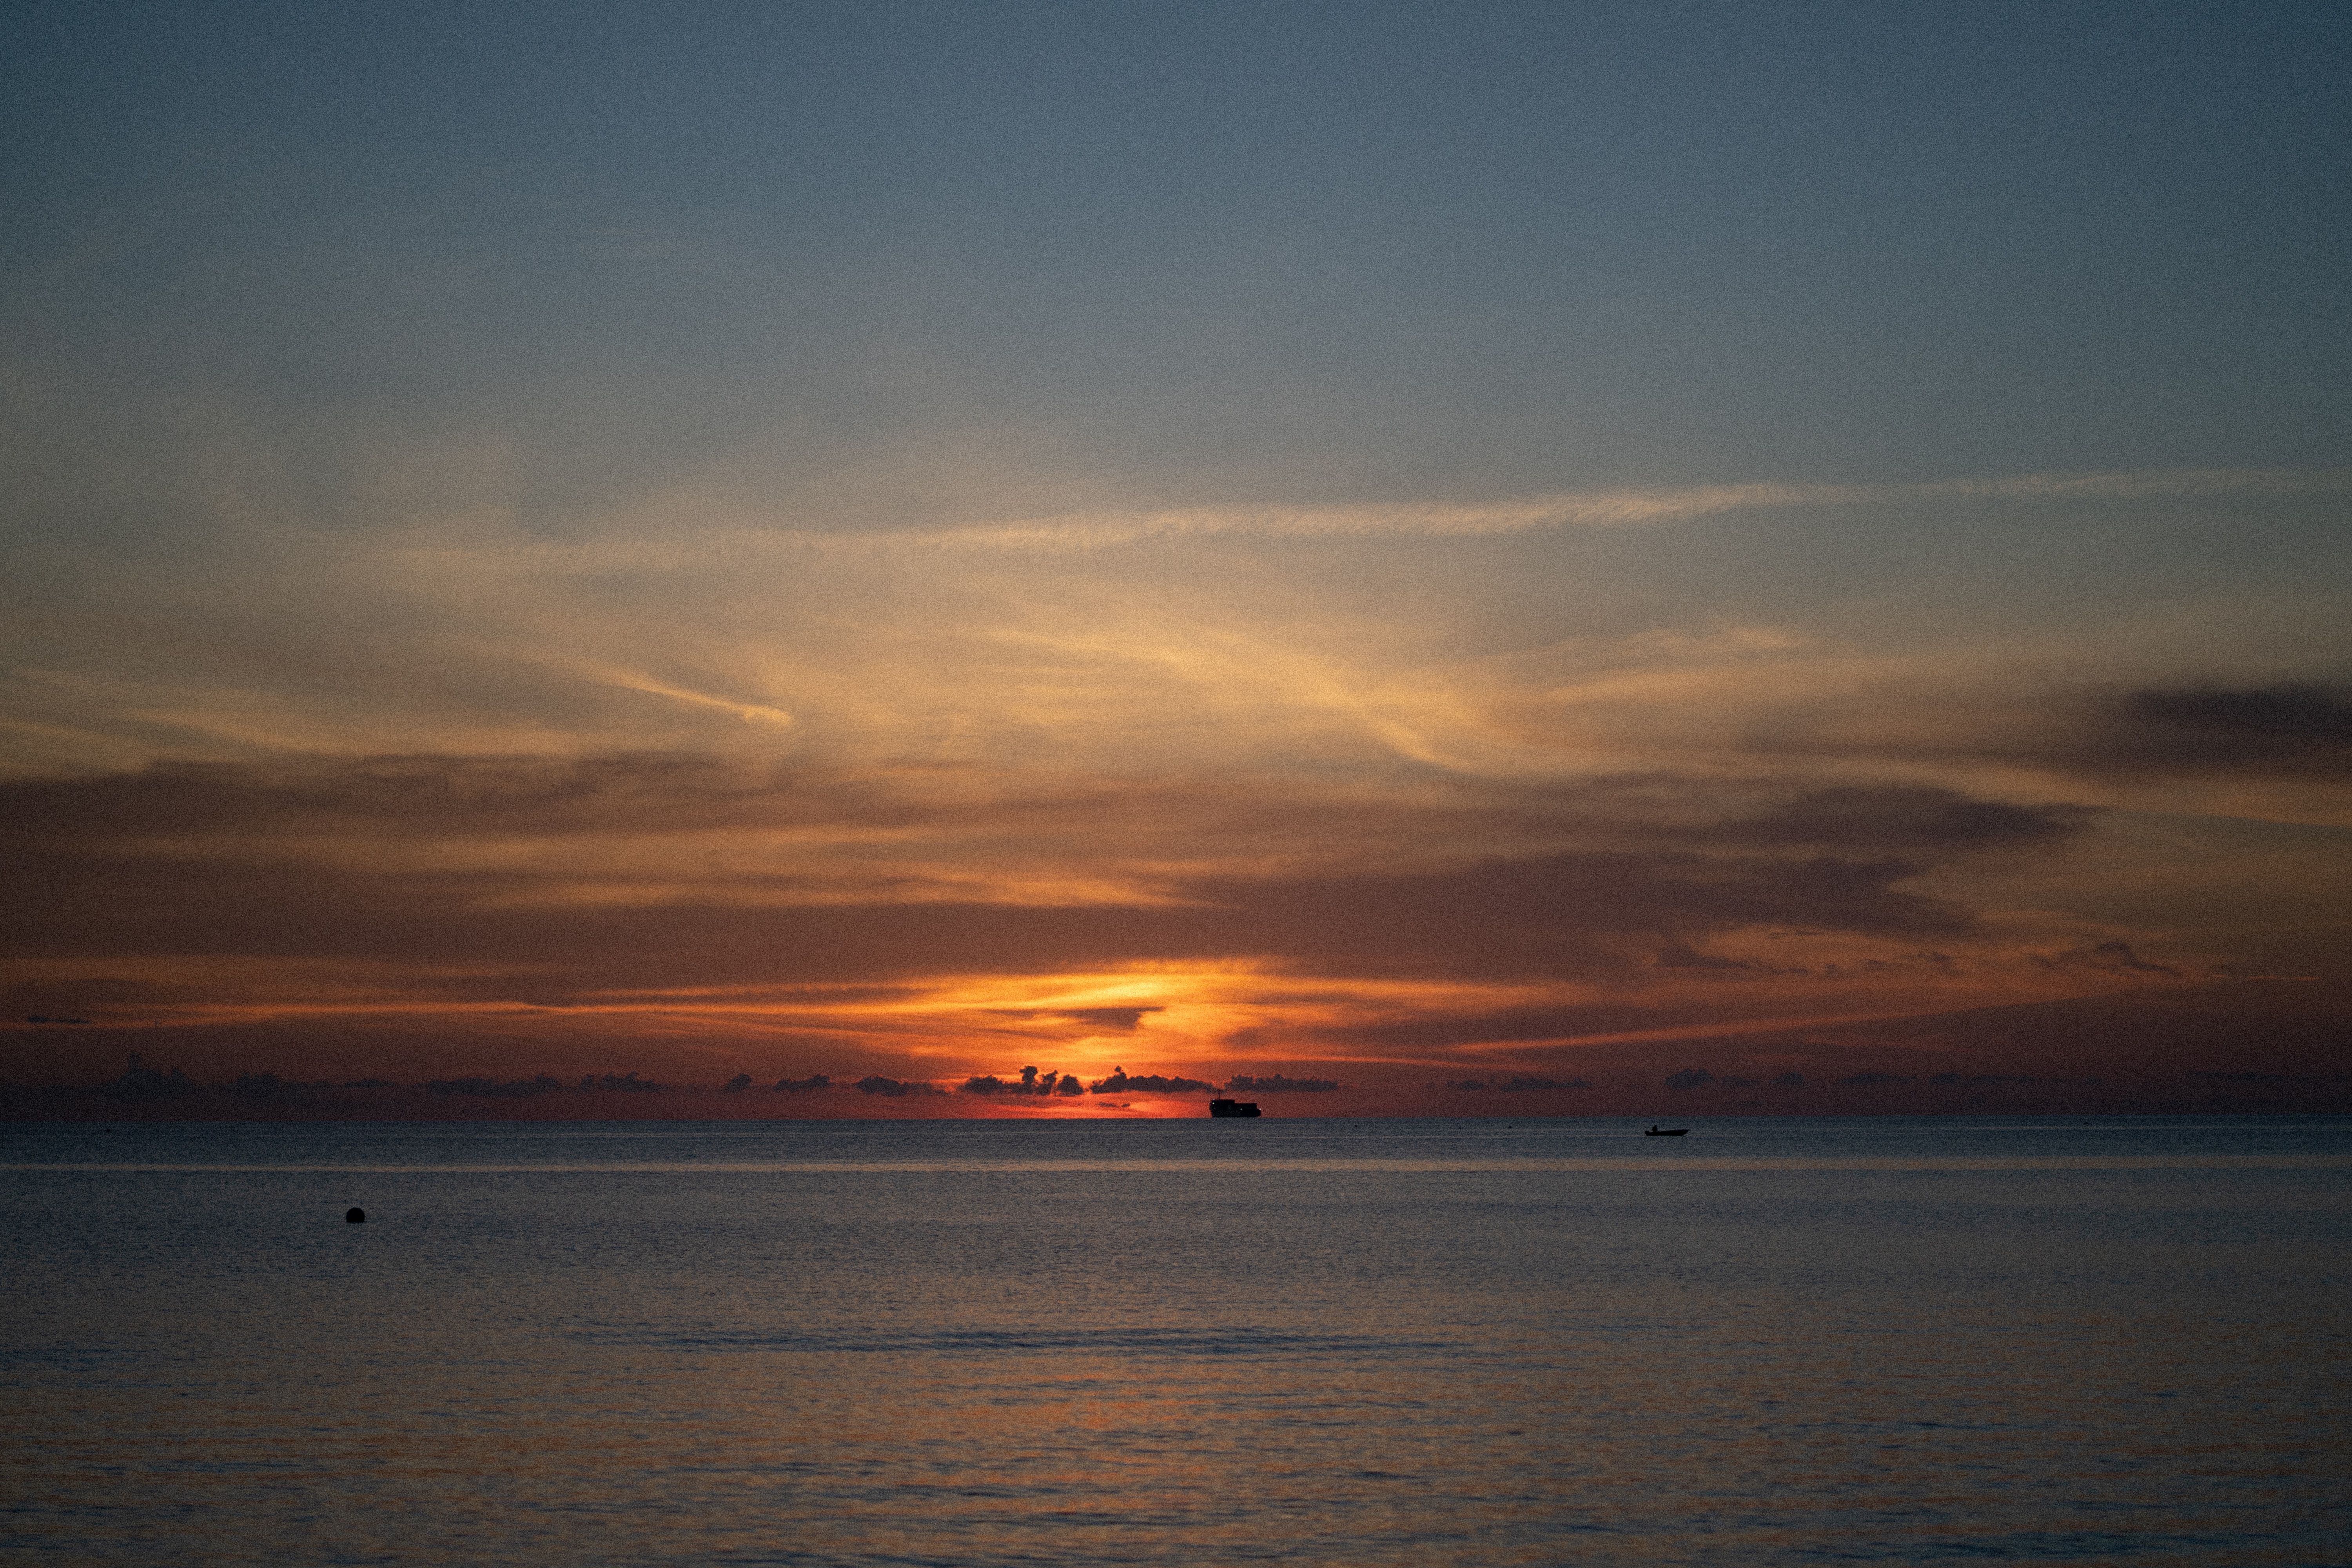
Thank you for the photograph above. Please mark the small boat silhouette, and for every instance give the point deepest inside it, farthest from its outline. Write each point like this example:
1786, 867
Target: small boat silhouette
1232, 1108
1654, 1130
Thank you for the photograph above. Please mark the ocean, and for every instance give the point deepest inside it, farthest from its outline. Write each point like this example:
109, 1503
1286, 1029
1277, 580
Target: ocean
1774, 1342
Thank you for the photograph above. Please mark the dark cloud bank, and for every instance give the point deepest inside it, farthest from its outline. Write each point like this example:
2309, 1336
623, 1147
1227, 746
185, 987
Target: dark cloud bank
221, 860
2290, 727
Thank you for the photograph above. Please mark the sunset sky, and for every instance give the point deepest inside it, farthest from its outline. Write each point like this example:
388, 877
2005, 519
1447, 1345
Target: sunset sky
1536, 546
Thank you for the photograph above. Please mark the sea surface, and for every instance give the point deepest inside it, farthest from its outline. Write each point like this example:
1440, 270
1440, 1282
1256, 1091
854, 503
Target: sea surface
1774, 1342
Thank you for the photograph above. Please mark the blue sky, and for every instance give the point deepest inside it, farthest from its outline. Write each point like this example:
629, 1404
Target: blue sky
1387, 250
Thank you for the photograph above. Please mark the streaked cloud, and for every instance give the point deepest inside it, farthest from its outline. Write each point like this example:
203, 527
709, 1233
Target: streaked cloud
1599, 509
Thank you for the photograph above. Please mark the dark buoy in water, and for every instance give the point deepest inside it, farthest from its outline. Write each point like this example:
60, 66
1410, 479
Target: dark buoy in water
355, 1217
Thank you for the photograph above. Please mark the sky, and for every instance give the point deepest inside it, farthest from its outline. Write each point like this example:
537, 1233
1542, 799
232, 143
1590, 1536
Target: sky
1486, 558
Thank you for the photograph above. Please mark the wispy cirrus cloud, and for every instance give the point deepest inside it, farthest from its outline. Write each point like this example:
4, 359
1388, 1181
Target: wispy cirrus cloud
690, 526
1618, 508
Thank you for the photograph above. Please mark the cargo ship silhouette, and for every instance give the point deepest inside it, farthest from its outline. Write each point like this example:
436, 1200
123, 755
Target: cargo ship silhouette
1232, 1108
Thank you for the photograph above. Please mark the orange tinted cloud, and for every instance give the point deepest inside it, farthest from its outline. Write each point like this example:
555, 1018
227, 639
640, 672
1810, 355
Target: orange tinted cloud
706, 913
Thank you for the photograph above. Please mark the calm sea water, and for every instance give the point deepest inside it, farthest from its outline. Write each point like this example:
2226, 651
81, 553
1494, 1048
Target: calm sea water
1284, 1341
